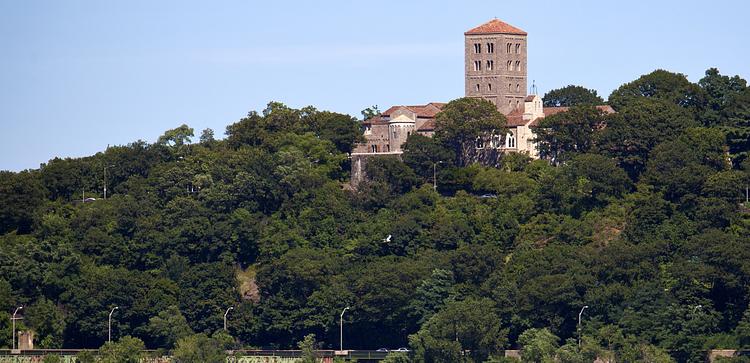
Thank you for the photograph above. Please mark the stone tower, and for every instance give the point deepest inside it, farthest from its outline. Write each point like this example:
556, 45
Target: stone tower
495, 69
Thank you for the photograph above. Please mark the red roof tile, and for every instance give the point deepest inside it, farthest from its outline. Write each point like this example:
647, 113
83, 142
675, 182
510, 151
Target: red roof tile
428, 125
515, 118
423, 111
495, 26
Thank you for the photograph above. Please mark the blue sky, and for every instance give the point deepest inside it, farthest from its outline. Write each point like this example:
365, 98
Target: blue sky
76, 76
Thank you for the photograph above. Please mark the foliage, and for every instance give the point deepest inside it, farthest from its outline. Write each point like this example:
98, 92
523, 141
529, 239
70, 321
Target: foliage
660, 84
640, 217
564, 134
199, 348
570, 96
538, 345
168, 327
462, 121
125, 350
86, 356
308, 349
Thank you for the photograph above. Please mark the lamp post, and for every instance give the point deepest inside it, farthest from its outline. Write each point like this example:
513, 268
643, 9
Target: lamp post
109, 324
105, 179
434, 174
341, 328
579, 324
225, 317
13, 320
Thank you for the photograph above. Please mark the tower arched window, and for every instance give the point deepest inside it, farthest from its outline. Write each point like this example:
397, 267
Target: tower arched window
518, 66
518, 87
489, 87
490, 65
477, 87
510, 65
477, 65
510, 86
509, 46
518, 48
490, 47
477, 48
510, 140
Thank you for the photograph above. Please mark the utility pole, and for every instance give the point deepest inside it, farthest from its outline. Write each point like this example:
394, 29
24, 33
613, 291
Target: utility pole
341, 328
13, 320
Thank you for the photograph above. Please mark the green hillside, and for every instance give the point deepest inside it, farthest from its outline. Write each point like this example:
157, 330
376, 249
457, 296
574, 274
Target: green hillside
637, 215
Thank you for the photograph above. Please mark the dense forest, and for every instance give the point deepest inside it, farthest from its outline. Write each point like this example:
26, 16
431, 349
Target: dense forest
638, 215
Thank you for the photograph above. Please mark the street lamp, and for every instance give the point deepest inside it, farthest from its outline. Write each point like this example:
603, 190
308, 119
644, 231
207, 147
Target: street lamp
579, 324
105, 179
225, 317
13, 320
434, 174
109, 324
341, 328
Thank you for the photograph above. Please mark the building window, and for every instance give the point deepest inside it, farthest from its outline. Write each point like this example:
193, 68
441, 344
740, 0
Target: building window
480, 143
490, 48
508, 47
477, 87
518, 103
477, 48
510, 103
510, 65
374, 148
518, 87
388, 148
490, 65
489, 87
496, 142
477, 65
518, 66
510, 140
518, 48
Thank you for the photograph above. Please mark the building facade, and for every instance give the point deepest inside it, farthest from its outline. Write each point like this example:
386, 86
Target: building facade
495, 68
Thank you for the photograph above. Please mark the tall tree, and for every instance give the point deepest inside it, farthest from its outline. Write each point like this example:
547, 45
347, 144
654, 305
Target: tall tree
571, 95
720, 91
465, 120
564, 134
660, 84
635, 130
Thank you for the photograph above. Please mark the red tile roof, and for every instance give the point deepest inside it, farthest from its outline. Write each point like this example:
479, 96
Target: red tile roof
515, 118
495, 26
423, 111
428, 125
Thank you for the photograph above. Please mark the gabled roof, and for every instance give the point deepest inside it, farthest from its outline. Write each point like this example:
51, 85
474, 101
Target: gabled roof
495, 26
423, 111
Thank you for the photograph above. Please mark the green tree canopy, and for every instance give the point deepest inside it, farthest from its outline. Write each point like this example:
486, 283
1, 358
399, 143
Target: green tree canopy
571, 95
464, 120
